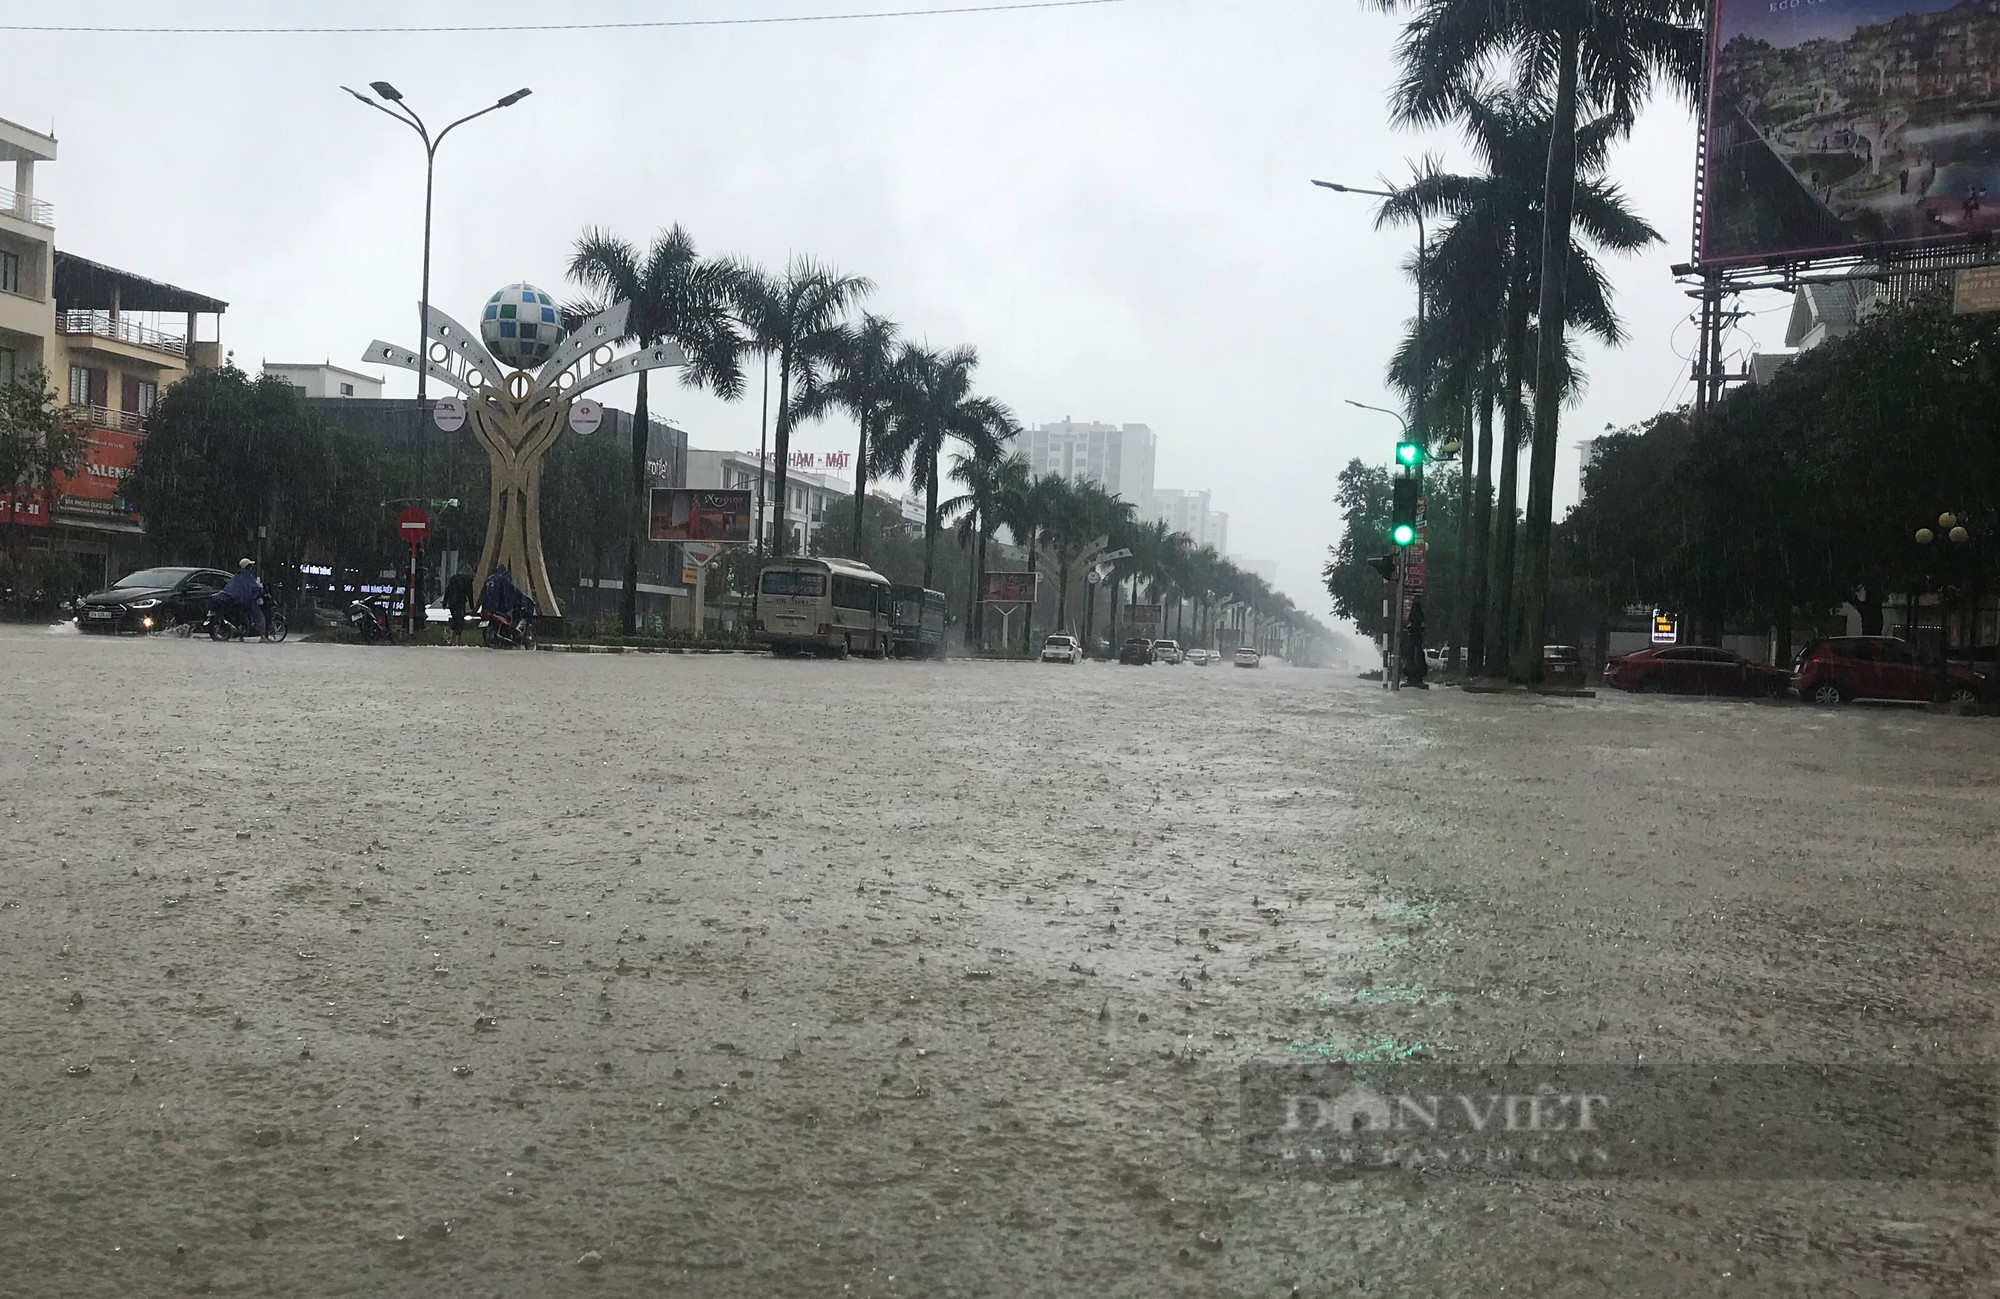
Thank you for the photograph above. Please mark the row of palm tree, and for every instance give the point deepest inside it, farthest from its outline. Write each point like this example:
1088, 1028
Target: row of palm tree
908, 401
910, 404
1574, 74
1063, 524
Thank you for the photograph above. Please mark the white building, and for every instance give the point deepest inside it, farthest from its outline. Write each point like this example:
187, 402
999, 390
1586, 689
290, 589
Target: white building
1117, 458
816, 500
324, 380
1218, 531
1184, 511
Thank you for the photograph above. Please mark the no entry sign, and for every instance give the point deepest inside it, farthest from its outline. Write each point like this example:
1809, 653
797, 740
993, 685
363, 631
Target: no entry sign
413, 525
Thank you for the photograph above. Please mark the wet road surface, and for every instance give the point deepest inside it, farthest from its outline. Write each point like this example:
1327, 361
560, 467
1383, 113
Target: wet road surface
338, 971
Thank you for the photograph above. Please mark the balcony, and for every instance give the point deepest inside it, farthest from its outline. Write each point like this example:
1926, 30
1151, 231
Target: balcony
125, 421
35, 211
102, 324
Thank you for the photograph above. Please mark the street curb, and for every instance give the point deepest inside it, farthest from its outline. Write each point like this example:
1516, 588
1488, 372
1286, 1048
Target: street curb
1509, 688
640, 649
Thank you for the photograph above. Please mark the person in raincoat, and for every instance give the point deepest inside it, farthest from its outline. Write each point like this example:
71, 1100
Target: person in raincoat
242, 596
500, 597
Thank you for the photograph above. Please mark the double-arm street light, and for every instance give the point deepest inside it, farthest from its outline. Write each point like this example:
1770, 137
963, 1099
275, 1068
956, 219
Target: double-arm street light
396, 108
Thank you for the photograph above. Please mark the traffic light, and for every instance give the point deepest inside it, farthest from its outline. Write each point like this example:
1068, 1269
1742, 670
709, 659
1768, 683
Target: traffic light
1385, 565
1409, 454
1403, 511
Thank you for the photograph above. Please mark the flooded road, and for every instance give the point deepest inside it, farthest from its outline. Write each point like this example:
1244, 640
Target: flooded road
338, 971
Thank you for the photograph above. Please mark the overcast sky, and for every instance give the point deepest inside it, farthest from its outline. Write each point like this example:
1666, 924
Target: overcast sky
1111, 203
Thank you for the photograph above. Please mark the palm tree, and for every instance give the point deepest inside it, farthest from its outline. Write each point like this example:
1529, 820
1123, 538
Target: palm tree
798, 317
937, 406
1081, 517
989, 480
1589, 56
1484, 280
865, 383
676, 296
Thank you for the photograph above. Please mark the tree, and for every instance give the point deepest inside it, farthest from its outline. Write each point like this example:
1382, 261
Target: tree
866, 383
938, 406
799, 318
989, 480
1587, 56
1081, 513
675, 296
37, 446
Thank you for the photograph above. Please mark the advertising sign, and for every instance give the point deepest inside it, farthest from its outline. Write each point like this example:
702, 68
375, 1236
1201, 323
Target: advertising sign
1010, 588
697, 514
586, 415
448, 413
29, 511
97, 489
1666, 629
1837, 123
1144, 615
1415, 561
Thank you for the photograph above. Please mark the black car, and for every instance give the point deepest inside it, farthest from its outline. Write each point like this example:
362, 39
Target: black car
1137, 651
151, 599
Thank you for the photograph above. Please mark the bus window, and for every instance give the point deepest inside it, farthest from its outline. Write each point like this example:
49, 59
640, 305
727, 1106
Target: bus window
784, 582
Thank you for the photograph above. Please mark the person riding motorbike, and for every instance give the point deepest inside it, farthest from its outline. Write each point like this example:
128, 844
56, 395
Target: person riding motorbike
501, 599
241, 599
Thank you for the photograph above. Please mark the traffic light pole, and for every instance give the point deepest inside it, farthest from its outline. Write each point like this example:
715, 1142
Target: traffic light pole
1394, 677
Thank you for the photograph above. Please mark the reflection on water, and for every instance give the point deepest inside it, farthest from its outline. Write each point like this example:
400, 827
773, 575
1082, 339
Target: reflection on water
1959, 179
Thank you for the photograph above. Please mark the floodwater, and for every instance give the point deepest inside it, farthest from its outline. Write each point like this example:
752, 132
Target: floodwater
346, 971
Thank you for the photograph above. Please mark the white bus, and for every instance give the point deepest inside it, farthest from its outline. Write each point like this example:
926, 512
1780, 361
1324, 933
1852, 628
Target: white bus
824, 606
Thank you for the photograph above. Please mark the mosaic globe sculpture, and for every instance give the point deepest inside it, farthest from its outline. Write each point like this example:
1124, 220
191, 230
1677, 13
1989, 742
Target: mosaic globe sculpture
521, 326
519, 375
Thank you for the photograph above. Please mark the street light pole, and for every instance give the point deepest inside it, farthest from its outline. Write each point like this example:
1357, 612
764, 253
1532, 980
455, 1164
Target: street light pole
1392, 679
1949, 527
403, 113
1420, 433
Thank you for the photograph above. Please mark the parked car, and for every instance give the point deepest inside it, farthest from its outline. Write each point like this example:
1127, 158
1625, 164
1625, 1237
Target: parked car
1136, 650
1694, 670
1433, 658
1062, 648
151, 599
1247, 657
1846, 668
1562, 665
1167, 651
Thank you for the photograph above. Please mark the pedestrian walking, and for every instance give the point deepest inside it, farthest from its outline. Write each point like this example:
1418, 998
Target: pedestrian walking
457, 599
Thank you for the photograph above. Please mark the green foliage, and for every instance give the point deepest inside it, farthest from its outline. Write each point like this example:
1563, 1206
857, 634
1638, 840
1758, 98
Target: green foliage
36, 444
1364, 500
1796, 497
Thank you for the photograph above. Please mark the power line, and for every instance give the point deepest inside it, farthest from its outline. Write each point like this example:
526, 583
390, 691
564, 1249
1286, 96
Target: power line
654, 24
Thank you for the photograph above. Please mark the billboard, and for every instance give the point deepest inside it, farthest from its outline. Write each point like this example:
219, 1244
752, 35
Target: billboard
1010, 588
1838, 123
97, 489
1143, 615
696, 514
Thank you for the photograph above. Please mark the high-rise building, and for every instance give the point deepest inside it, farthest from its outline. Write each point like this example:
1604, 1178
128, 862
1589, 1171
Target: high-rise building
1185, 512
1118, 458
1218, 531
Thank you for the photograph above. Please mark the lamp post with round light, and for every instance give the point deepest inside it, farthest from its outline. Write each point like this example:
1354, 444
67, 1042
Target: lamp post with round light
400, 110
1950, 529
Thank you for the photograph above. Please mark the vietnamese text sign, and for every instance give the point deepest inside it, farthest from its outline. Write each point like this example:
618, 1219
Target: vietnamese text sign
1847, 122
689, 514
1666, 629
1976, 288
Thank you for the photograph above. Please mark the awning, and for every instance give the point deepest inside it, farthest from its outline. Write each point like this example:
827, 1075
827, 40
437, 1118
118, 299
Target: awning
84, 285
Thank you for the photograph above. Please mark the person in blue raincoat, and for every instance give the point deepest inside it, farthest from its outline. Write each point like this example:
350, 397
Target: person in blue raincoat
500, 596
242, 597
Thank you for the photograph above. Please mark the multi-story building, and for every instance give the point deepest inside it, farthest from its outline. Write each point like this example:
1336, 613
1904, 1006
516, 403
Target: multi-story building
109, 343
1184, 511
1218, 531
1117, 457
815, 500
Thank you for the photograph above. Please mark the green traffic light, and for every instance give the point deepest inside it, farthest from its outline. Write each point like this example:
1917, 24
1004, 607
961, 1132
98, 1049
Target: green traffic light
1409, 453
1403, 534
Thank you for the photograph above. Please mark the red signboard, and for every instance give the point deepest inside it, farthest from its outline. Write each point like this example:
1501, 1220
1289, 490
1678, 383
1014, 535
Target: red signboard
97, 489
26, 511
1414, 562
413, 525
1143, 615
688, 514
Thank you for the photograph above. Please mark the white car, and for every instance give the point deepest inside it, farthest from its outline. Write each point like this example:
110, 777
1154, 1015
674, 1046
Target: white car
1062, 648
1246, 657
1167, 651
1201, 658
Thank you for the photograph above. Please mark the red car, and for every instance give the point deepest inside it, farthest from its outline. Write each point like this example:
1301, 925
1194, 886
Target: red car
1845, 668
1694, 670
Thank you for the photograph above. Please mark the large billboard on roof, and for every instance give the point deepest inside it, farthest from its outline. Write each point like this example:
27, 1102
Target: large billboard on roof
1839, 123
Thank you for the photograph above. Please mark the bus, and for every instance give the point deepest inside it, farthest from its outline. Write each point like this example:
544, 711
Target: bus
823, 606
916, 622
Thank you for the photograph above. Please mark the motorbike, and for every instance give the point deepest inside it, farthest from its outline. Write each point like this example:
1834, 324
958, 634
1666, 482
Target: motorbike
502, 632
226, 622
370, 620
